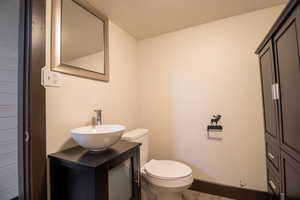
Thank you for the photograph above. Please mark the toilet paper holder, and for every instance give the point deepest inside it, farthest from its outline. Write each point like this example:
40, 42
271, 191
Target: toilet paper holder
214, 129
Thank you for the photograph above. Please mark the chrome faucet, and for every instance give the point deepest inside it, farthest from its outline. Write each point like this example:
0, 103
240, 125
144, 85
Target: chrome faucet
98, 119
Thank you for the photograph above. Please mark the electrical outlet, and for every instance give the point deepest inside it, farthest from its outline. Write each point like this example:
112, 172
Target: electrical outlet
50, 78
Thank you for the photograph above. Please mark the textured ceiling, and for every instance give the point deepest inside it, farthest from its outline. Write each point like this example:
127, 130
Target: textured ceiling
149, 18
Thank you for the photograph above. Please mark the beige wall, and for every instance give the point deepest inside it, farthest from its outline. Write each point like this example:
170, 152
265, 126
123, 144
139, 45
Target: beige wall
189, 75
72, 104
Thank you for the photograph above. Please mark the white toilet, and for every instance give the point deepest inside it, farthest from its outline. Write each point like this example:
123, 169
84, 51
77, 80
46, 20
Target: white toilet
162, 179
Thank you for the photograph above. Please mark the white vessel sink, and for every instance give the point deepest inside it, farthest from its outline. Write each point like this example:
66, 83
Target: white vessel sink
98, 138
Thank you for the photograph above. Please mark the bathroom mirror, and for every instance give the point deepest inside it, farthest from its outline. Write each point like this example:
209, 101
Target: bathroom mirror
79, 40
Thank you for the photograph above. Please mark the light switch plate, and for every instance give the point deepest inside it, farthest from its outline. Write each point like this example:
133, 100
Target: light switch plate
50, 78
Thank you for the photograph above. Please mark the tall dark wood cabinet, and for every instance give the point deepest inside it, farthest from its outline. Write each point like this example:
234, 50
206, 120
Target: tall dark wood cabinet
279, 56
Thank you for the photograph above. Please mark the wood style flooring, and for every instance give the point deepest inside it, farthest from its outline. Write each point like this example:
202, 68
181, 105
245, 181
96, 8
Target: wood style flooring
192, 195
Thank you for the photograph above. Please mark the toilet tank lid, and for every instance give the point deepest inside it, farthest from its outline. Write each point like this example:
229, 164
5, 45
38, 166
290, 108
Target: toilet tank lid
134, 134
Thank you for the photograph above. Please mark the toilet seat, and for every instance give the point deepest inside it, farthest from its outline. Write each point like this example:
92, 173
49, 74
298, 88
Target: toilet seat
167, 174
167, 169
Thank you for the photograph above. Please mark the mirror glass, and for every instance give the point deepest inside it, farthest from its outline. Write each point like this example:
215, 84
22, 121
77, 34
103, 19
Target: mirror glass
82, 38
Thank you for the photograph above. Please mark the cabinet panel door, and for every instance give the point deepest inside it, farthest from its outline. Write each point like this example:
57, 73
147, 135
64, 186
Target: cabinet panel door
268, 79
288, 66
290, 176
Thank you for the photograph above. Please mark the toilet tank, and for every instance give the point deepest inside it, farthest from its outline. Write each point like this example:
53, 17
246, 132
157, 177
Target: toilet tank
139, 136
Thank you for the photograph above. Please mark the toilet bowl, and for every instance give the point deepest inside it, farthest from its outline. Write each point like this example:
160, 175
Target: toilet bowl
161, 179
168, 179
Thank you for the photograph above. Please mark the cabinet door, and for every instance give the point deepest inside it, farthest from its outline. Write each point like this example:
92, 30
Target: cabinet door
287, 46
290, 177
268, 80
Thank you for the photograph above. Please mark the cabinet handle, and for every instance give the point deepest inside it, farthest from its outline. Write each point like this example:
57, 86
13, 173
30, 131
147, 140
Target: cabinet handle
272, 185
271, 156
275, 91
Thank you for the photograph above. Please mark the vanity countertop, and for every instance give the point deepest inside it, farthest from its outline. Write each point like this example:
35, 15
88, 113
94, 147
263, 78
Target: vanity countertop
80, 156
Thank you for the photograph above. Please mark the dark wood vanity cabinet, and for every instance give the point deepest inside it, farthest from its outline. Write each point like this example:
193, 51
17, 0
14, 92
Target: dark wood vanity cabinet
279, 56
77, 174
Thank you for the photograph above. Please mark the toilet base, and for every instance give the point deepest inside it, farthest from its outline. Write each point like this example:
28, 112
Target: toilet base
153, 192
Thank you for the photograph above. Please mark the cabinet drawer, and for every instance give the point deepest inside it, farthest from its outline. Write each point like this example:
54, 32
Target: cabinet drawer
273, 155
273, 182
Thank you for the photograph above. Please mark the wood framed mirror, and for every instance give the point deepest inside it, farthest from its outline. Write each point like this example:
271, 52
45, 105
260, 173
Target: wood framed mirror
79, 36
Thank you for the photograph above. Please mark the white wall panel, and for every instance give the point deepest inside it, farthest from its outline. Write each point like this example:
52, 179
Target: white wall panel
6, 135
